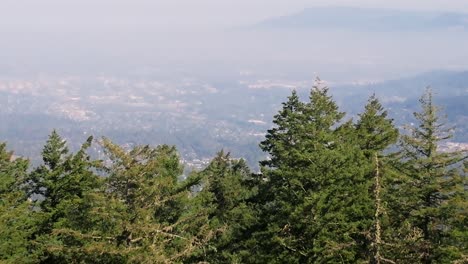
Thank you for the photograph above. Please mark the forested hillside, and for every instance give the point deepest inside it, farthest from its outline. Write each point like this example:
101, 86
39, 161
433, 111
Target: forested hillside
332, 190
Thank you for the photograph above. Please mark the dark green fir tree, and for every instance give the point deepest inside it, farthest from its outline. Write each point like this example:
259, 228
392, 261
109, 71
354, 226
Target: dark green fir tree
432, 193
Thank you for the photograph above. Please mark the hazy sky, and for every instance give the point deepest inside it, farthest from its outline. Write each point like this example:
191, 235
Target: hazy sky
178, 14
85, 33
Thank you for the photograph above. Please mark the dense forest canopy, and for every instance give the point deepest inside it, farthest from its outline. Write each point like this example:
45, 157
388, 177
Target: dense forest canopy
333, 190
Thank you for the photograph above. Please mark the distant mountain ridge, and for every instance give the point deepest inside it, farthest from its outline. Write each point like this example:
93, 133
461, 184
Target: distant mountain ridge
401, 96
367, 19
444, 83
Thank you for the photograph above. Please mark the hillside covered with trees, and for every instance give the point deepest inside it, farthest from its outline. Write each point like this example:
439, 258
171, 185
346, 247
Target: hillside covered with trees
333, 190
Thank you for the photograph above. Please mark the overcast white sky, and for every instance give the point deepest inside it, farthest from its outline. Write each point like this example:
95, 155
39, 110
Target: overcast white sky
81, 33
174, 14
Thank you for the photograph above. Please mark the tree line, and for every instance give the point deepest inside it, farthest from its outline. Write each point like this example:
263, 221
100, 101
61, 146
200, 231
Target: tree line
333, 190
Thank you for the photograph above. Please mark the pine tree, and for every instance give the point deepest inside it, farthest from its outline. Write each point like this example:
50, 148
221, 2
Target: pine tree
376, 133
433, 192
16, 219
316, 193
64, 185
375, 129
44, 178
63, 175
152, 224
54, 150
282, 144
224, 199
280, 140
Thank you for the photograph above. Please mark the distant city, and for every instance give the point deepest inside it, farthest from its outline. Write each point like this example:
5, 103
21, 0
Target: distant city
197, 116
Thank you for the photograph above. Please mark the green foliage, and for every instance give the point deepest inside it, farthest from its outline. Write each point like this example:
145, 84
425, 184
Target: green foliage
331, 191
375, 130
376, 133
54, 150
64, 187
16, 221
225, 201
152, 224
431, 193
317, 207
